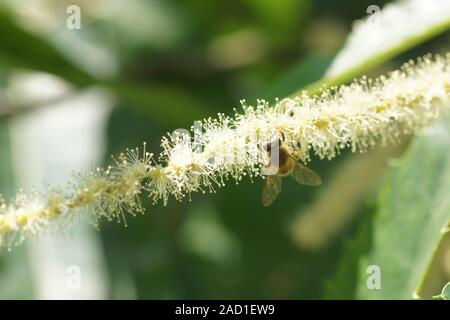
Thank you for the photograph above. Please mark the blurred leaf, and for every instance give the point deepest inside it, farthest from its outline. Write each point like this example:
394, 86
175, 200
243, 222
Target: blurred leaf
343, 69
168, 105
22, 49
445, 294
414, 208
299, 75
343, 283
204, 235
6, 175
280, 17
15, 277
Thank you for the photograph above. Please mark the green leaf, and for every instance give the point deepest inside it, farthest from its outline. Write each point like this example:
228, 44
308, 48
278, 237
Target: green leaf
299, 75
411, 220
377, 57
6, 175
343, 282
23, 49
15, 275
445, 294
165, 104
280, 18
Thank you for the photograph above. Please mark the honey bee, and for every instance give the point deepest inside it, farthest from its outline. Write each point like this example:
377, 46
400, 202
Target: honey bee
287, 165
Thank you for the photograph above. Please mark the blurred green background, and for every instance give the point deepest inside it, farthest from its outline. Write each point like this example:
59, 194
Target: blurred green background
166, 63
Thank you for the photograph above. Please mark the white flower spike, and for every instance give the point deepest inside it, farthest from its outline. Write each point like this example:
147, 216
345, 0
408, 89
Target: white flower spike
359, 116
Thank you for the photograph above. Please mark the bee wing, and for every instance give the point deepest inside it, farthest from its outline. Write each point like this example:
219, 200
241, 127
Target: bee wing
271, 189
305, 175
